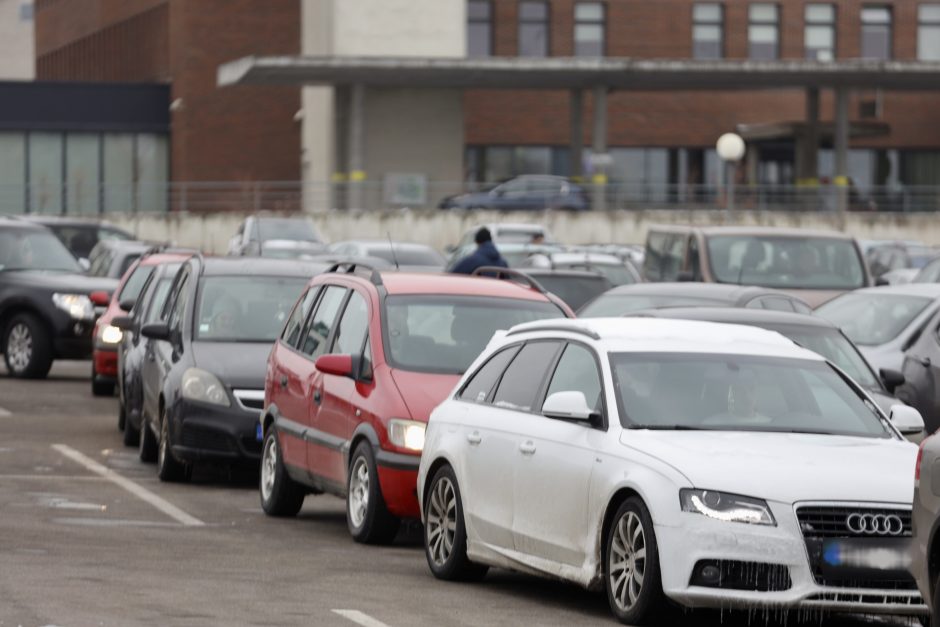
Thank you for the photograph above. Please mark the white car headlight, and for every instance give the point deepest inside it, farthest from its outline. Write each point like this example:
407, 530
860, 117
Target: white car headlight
407, 434
78, 306
726, 507
205, 387
109, 334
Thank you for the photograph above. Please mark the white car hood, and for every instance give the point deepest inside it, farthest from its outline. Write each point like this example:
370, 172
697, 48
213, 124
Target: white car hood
786, 467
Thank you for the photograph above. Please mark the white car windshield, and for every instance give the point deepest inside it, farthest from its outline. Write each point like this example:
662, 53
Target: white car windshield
786, 262
871, 319
739, 393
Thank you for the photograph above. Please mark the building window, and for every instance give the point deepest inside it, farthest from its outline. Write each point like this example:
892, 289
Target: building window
533, 29
928, 32
763, 32
876, 33
707, 31
589, 23
479, 28
820, 34
26, 12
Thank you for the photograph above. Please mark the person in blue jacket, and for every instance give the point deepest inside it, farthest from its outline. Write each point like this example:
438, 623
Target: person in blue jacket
485, 254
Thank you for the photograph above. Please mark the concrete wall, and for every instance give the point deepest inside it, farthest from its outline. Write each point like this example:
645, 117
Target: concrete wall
17, 47
211, 232
398, 123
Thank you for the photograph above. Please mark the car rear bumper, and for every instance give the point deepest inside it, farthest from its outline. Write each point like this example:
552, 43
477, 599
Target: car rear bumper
211, 433
398, 479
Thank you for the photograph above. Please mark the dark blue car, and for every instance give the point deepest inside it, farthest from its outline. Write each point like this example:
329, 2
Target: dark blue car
525, 192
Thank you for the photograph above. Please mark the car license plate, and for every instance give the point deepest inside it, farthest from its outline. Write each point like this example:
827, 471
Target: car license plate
866, 557
259, 435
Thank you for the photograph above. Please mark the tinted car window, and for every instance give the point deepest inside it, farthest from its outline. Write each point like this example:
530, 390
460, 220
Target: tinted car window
574, 290
160, 294
480, 384
872, 319
577, 372
178, 306
353, 326
126, 263
22, 249
930, 273
323, 320
521, 381
244, 308
135, 282
297, 317
106, 233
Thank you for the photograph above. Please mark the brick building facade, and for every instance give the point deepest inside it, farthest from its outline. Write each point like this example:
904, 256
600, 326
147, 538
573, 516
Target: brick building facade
668, 137
235, 134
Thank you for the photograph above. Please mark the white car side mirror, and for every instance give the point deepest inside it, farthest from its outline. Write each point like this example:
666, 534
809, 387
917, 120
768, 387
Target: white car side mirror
568, 406
906, 419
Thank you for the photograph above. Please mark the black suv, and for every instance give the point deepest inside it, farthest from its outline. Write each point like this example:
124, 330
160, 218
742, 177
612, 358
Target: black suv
203, 376
80, 235
47, 303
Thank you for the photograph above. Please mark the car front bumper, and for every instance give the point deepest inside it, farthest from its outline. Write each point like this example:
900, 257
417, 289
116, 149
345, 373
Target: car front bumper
683, 548
106, 364
398, 478
213, 433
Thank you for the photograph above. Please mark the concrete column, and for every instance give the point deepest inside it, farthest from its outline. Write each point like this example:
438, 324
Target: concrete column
599, 147
575, 169
841, 172
355, 147
810, 157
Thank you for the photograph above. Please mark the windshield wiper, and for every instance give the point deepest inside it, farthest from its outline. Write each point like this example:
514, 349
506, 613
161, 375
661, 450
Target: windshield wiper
670, 428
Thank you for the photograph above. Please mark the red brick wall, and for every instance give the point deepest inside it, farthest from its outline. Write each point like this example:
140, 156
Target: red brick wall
663, 29
230, 134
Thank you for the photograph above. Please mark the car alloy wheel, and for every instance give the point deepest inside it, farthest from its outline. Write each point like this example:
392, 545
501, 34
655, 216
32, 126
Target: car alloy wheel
19, 347
441, 521
627, 561
359, 492
268, 468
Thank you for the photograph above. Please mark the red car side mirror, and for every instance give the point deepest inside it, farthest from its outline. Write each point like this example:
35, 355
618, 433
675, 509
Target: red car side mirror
340, 365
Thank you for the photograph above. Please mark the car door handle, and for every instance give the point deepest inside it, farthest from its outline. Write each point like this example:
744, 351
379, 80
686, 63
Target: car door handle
317, 397
527, 447
474, 438
283, 381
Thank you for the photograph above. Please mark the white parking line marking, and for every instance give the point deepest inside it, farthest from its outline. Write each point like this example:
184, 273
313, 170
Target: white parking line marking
5, 412
48, 478
360, 618
140, 492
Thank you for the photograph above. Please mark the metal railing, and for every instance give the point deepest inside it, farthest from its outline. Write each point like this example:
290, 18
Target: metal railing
293, 196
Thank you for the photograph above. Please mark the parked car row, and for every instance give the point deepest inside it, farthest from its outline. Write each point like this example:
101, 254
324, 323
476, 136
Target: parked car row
683, 442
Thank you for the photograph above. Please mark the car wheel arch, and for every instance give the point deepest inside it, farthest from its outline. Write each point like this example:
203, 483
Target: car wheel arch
365, 432
433, 468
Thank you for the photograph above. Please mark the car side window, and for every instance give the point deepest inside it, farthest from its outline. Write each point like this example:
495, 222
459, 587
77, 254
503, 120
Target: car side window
323, 321
160, 293
478, 387
353, 326
174, 321
694, 262
521, 382
577, 372
296, 321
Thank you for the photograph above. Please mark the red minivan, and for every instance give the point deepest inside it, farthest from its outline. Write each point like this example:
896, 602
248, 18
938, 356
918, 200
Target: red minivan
363, 359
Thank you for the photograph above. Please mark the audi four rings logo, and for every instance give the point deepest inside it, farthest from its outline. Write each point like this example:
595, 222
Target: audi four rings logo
875, 524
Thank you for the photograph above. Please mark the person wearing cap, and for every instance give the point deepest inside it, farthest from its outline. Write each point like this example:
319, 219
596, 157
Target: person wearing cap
485, 255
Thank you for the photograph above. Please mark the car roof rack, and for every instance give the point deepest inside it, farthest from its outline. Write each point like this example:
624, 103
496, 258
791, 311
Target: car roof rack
557, 327
498, 272
350, 267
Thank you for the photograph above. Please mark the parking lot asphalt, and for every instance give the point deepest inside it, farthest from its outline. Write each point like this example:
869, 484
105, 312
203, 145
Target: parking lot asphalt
90, 536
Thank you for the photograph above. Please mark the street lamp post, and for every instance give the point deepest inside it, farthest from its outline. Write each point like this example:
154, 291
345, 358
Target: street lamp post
730, 149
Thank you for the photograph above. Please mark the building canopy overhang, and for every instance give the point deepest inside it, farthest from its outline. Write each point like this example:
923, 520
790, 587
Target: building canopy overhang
579, 73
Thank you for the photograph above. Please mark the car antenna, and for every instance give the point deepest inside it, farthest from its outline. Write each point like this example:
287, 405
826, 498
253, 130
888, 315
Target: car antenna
392, 246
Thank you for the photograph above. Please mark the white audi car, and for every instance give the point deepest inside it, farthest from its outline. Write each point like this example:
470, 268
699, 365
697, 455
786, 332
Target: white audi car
712, 465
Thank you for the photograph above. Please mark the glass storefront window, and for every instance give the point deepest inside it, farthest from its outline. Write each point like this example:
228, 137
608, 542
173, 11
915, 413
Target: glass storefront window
83, 170
12, 172
45, 172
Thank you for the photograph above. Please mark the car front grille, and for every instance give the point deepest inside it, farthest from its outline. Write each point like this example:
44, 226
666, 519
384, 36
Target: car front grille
820, 524
738, 575
831, 522
250, 400
205, 439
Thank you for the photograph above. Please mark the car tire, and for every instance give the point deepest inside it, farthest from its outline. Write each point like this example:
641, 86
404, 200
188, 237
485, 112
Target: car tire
445, 531
168, 467
280, 495
368, 519
635, 594
147, 443
131, 434
122, 416
27, 347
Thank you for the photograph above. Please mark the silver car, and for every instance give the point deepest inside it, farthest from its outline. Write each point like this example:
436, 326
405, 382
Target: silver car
925, 550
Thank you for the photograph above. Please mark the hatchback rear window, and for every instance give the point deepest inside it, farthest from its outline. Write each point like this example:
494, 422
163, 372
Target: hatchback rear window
444, 334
